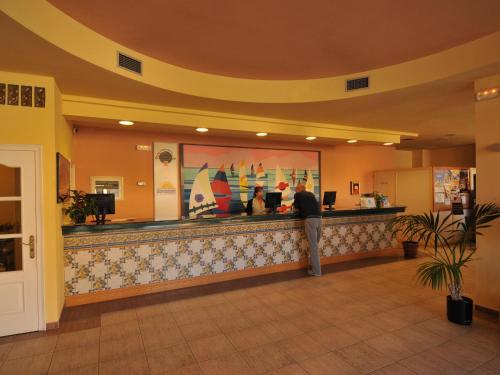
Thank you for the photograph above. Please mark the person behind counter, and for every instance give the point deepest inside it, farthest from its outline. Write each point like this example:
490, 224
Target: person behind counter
257, 205
305, 202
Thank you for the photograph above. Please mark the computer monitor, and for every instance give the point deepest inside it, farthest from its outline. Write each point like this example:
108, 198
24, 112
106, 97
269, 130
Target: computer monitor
329, 198
273, 200
103, 204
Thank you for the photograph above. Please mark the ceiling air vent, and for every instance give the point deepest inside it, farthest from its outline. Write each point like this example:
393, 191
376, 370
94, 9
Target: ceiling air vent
129, 63
357, 83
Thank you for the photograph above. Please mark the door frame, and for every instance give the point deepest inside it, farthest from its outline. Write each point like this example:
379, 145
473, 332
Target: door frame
37, 149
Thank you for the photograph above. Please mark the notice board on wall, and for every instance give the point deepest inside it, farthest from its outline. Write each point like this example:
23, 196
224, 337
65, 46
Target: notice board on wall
448, 183
166, 181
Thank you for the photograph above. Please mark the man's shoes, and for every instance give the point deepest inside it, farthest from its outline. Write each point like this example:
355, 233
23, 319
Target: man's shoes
311, 273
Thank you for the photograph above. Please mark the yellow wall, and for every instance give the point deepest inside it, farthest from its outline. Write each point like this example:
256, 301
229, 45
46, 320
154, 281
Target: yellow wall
488, 176
37, 126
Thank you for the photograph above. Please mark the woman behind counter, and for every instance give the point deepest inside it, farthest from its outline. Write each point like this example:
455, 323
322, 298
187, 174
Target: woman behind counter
257, 205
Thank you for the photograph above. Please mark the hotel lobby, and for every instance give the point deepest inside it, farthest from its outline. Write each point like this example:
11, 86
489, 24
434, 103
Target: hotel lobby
172, 173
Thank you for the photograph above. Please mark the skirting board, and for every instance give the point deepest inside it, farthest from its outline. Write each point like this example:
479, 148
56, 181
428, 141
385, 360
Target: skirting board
133, 291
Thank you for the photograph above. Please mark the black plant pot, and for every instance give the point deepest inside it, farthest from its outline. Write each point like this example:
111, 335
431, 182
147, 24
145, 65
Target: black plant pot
410, 249
460, 312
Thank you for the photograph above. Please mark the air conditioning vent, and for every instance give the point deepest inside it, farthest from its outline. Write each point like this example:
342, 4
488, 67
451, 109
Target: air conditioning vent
129, 63
357, 83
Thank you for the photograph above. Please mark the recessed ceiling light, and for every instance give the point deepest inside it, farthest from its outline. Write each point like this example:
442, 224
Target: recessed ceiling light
310, 138
388, 143
202, 130
352, 141
126, 122
261, 134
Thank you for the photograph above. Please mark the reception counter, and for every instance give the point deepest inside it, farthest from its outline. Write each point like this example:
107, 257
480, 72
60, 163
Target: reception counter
117, 260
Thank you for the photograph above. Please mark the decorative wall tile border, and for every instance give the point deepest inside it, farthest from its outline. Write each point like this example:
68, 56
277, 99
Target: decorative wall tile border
14, 94
153, 256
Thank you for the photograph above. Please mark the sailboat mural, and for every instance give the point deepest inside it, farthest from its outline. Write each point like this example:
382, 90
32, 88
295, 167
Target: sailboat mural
281, 184
252, 171
222, 191
294, 176
232, 169
310, 181
243, 183
202, 197
260, 176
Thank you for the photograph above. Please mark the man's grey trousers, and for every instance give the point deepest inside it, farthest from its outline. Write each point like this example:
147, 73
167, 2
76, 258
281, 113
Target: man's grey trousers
312, 226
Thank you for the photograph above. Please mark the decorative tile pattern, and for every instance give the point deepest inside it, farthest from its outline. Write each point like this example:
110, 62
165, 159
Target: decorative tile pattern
13, 94
40, 97
2, 93
119, 259
26, 96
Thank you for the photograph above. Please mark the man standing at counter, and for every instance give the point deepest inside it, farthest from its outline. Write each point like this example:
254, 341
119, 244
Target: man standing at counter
305, 202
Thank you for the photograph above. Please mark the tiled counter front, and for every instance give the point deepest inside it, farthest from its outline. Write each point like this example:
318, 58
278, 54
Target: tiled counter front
112, 260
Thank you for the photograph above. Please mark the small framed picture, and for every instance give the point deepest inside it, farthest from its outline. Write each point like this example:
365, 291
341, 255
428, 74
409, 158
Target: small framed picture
354, 188
107, 185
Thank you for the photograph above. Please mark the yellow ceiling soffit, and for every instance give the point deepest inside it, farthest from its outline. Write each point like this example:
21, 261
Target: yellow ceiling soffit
76, 107
56, 27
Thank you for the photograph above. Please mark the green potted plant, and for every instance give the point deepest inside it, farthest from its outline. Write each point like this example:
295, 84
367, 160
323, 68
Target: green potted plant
454, 245
79, 207
402, 226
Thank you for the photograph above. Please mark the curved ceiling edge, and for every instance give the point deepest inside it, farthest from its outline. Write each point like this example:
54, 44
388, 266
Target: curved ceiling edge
46, 21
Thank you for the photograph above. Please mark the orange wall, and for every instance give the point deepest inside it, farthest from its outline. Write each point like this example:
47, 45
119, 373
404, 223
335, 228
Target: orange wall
106, 152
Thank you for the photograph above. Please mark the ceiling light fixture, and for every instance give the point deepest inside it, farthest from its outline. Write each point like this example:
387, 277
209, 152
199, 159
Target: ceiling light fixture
202, 130
261, 134
126, 122
352, 141
388, 143
487, 94
310, 138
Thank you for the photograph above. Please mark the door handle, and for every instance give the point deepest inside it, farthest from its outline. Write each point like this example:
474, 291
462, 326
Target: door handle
31, 244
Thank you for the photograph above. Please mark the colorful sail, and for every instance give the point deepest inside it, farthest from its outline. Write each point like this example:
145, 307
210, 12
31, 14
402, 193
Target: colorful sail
243, 184
221, 190
282, 185
252, 171
260, 176
310, 181
202, 197
294, 176
232, 169
304, 179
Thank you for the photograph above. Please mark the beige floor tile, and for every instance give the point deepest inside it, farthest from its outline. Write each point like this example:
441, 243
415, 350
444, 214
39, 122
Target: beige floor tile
34, 365
483, 371
418, 337
87, 370
120, 331
188, 370
293, 369
75, 357
261, 315
121, 349
333, 338
266, 358
233, 323
118, 317
465, 353
190, 316
249, 338
309, 321
160, 321
493, 365
388, 321
169, 359
413, 314
393, 369
228, 365
31, 347
328, 364
393, 346
363, 357
4, 350
211, 347
443, 327
153, 310
302, 347
427, 363
199, 330
157, 338
360, 328
129, 366
287, 328
75, 339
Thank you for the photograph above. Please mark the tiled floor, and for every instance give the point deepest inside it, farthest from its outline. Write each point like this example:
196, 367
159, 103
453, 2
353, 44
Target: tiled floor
366, 317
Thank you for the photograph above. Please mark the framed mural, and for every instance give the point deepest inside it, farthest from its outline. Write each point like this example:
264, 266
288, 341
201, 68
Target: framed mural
63, 167
220, 180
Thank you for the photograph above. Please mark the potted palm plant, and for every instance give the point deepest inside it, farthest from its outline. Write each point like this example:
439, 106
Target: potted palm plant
79, 207
453, 247
402, 226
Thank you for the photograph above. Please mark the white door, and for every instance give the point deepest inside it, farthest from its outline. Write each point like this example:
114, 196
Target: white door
18, 266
